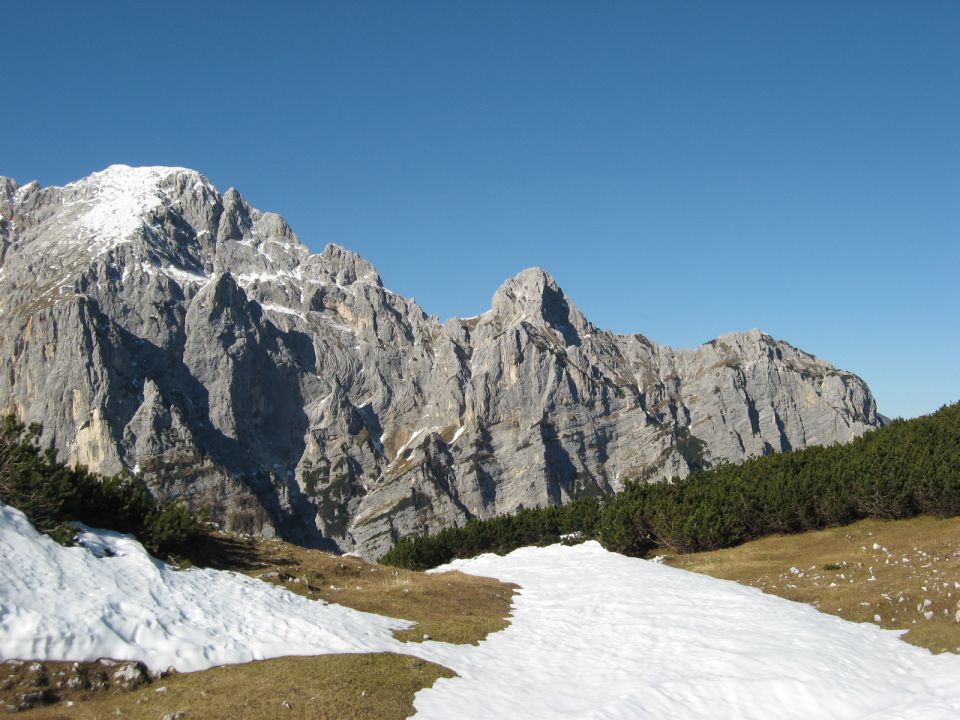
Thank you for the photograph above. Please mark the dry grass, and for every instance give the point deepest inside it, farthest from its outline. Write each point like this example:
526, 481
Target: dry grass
329, 687
451, 607
902, 574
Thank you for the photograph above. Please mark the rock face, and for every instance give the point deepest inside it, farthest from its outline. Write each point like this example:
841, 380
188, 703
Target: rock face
157, 327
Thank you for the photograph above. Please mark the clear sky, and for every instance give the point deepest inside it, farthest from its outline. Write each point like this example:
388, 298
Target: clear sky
683, 169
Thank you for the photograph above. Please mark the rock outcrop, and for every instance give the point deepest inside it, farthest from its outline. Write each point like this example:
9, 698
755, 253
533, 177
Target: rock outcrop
157, 327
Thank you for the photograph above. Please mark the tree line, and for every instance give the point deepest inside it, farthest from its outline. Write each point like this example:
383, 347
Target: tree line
906, 468
53, 495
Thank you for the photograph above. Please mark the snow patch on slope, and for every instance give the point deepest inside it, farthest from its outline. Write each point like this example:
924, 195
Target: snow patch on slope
120, 199
111, 599
600, 635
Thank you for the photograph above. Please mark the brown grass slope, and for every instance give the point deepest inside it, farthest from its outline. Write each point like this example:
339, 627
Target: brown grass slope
328, 687
451, 607
898, 574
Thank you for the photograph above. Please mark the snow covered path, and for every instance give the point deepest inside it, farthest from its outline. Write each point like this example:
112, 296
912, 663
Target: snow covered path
60, 603
599, 635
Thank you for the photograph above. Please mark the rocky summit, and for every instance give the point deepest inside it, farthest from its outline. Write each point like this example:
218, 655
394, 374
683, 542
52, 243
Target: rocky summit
157, 327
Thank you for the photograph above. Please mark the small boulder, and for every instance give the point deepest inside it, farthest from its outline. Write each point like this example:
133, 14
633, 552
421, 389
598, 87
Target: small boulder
130, 674
33, 699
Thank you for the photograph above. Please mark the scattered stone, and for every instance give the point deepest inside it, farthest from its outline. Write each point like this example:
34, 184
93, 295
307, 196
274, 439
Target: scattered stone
130, 675
33, 699
77, 682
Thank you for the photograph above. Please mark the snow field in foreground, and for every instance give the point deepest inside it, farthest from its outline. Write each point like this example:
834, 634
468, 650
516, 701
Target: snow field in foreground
600, 635
594, 635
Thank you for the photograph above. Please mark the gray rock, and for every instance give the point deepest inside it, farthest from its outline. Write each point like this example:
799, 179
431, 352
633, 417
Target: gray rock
130, 674
157, 327
30, 700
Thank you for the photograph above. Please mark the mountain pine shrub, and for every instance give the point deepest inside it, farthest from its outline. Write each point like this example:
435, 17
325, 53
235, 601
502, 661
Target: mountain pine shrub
907, 468
52, 494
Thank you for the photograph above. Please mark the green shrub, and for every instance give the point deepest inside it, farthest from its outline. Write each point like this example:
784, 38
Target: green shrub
903, 469
500, 534
52, 494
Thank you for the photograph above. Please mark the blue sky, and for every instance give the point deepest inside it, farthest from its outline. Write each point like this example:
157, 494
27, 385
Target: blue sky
683, 169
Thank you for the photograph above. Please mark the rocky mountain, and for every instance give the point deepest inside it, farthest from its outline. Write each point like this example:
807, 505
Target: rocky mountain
157, 327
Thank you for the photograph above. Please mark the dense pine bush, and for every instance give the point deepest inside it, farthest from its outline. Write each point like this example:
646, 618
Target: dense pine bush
907, 468
499, 534
52, 494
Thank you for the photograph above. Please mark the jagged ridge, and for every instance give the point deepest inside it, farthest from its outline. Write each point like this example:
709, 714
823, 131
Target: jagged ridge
155, 325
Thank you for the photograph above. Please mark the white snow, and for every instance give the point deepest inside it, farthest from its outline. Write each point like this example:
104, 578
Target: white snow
600, 635
182, 277
23, 190
111, 206
120, 198
593, 635
281, 309
61, 603
409, 443
247, 279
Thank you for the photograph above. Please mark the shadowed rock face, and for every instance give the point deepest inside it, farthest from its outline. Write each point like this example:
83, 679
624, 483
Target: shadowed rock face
156, 326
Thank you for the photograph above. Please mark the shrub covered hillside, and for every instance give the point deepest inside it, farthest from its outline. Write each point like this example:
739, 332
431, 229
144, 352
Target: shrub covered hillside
52, 494
909, 467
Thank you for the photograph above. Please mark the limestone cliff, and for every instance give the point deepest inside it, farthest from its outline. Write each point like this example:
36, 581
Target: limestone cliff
156, 326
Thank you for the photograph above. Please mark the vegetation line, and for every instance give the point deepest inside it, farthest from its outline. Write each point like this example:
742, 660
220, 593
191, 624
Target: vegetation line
52, 495
907, 468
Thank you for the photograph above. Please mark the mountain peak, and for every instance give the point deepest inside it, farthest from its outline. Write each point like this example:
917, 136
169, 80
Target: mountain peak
121, 170
110, 206
128, 181
524, 290
347, 267
533, 294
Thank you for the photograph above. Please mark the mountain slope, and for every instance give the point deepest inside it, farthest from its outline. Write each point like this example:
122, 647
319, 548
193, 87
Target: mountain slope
156, 326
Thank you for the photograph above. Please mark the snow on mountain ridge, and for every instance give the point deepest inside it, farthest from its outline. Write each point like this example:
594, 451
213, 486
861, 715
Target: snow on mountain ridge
122, 197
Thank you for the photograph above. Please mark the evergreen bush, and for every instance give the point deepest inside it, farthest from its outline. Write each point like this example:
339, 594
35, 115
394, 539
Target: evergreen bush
52, 494
907, 468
